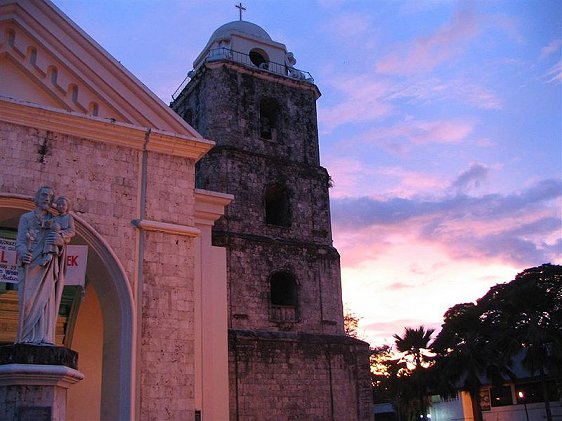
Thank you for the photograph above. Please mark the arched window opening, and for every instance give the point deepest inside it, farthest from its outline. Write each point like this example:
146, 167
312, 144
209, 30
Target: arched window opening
188, 117
277, 206
93, 109
269, 118
259, 58
284, 297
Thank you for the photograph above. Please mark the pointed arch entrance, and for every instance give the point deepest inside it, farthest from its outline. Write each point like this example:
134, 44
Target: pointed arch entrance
106, 279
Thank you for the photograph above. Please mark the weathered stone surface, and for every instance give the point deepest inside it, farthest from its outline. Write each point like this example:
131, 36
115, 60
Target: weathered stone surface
225, 104
302, 368
103, 180
298, 376
38, 354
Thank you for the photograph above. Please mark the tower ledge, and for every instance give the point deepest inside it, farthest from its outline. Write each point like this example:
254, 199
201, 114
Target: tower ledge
243, 61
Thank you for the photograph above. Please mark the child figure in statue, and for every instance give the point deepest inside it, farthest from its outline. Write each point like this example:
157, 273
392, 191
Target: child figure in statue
63, 225
64, 219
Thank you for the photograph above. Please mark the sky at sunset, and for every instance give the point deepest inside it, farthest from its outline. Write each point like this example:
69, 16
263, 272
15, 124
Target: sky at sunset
439, 123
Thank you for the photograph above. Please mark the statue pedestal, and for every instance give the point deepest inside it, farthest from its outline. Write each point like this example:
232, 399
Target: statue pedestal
33, 382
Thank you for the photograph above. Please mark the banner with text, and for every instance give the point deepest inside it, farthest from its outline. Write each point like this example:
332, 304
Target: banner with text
76, 259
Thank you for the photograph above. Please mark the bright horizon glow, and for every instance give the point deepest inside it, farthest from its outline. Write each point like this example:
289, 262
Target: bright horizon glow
439, 122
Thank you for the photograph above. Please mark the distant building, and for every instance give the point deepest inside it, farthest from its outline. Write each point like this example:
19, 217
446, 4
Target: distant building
288, 355
519, 399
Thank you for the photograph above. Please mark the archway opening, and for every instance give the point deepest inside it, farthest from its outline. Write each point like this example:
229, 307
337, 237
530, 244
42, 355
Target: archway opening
283, 297
259, 58
105, 318
277, 205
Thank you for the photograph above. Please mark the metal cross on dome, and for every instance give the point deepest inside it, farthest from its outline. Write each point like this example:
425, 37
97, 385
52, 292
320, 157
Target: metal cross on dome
240, 7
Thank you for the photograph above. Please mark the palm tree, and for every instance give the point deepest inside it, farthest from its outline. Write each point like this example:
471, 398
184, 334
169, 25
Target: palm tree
414, 346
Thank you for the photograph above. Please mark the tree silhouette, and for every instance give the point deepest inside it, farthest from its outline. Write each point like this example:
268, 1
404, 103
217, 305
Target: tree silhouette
528, 311
466, 354
478, 342
414, 346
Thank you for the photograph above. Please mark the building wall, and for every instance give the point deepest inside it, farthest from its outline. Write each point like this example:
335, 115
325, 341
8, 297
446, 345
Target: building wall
224, 103
307, 186
279, 369
535, 412
295, 377
104, 184
101, 180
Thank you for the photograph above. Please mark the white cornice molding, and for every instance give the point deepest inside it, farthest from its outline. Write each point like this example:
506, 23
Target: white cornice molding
39, 375
101, 130
164, 227
209, 206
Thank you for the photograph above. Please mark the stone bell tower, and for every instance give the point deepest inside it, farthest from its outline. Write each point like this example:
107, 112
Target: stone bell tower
288, 355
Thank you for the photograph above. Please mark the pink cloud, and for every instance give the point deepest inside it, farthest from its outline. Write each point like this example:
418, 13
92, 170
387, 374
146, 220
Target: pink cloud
426, 53
389, 328
521, 227
409, 183
353, 177
553, 47
421, 132
364, 101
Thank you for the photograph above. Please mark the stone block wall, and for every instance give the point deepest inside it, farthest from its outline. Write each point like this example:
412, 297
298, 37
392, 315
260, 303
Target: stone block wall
228, 171
100, 180
224, 105
282, 376
103, 182
254, 260
287, 361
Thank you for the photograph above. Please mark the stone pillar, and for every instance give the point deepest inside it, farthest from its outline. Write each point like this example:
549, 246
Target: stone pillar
34, 380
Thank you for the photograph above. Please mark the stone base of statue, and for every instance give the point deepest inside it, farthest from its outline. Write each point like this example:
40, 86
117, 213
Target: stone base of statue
34, 380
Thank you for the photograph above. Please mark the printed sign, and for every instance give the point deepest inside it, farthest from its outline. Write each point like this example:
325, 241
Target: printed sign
76, 259
8, 268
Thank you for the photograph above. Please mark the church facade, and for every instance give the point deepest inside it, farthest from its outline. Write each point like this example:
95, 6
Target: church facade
148, 318
288, 355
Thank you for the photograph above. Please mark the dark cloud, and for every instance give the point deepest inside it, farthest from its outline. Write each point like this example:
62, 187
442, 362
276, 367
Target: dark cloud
470, 178
356, 213
445, 220
518, 245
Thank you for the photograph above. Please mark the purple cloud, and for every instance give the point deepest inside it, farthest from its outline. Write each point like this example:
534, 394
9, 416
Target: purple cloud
470, 178
359, 212
518, 227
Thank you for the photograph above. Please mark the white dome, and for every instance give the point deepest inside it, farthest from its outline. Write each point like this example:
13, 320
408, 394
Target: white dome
241, 27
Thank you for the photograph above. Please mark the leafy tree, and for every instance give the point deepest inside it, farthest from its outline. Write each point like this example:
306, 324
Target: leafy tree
392, 382
465, 350
480, 341
350, 323
380, 374
528, 310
